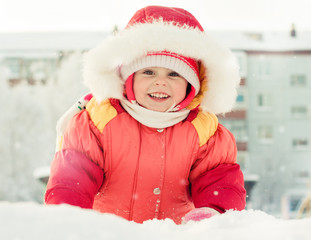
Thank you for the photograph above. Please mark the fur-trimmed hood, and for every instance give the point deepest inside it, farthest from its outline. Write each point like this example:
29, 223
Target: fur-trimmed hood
102, 64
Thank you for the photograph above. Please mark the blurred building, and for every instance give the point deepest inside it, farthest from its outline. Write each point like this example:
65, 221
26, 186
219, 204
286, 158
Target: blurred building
33, 58
271, 120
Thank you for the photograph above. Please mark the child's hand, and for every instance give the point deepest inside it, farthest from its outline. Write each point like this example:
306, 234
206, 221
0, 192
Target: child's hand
199, 214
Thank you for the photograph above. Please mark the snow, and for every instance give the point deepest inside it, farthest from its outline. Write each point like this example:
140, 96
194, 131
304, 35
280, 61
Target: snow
31, 221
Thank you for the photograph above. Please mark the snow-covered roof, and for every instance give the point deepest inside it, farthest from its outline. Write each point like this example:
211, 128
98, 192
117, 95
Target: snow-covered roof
244, 41
265, 41
51, 40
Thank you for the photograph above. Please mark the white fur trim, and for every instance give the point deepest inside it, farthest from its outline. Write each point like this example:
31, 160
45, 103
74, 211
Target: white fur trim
101, 64
64, 120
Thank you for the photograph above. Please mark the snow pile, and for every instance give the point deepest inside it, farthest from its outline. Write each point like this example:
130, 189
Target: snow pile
30, 221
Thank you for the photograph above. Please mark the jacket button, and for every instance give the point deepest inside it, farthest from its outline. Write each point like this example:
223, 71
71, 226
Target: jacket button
160, 130
156, 191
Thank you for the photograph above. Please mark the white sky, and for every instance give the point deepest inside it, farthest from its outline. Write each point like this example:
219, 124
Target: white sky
102, 15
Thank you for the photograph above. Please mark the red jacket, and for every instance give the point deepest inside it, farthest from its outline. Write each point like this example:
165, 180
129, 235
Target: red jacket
110, 162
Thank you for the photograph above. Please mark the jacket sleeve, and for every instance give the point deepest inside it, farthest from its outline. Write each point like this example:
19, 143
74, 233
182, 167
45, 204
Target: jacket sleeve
216, 179
75, 177
221, 188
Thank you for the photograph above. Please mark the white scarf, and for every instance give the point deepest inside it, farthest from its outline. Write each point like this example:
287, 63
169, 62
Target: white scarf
152, 118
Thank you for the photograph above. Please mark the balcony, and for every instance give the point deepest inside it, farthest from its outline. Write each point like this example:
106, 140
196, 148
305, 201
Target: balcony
234, 115
241, 146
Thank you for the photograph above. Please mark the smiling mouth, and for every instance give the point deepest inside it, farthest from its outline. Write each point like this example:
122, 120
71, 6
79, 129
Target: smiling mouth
158, 95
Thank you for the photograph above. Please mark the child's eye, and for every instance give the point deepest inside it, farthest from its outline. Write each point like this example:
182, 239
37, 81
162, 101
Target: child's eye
148, 72
173, 74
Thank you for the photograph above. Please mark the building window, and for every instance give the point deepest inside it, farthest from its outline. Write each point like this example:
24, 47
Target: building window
238, 129
265, 133
242, 61
15, 67
39, 71
240, 98
242, 160
299, 111
298, 80
300, 143
264, 101
240, 102
304, 174
240, 132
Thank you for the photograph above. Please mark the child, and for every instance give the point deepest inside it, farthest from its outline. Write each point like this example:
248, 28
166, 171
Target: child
148, 144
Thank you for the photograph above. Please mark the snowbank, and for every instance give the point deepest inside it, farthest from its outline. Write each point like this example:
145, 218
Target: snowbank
30, 221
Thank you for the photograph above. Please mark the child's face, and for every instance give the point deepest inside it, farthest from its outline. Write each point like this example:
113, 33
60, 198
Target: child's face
158, 88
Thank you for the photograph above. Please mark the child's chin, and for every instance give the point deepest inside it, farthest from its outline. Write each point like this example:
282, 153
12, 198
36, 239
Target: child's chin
158, 109
157, 106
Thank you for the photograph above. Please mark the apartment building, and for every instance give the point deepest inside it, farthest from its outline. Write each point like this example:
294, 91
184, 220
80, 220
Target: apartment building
272, 119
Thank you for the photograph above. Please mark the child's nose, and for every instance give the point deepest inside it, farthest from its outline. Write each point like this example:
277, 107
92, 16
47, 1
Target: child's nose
160, 81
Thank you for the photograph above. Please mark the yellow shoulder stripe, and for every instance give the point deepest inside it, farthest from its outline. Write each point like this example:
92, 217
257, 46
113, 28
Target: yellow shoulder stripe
59, 143
206, 125
101, 113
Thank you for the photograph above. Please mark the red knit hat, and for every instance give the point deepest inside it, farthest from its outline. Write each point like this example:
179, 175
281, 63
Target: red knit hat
176, 16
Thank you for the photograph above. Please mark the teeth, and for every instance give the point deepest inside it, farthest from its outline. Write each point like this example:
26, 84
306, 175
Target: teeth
158, 95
